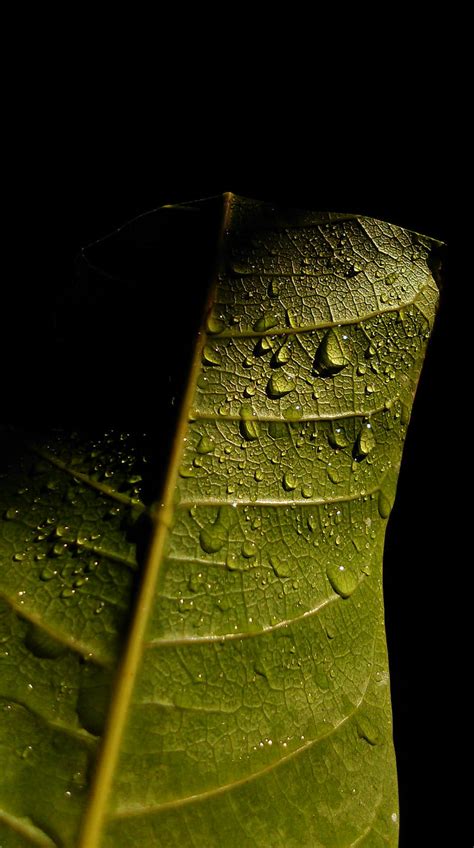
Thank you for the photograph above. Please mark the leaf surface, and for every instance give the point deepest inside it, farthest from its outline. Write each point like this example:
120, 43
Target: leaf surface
246, 652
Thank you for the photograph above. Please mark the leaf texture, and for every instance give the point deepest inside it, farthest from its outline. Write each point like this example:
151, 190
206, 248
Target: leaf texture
251, 705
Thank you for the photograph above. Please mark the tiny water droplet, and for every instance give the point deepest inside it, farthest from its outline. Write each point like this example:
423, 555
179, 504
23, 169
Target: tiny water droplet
293, 413
250, 390
67, 592
337, 438
186, 471
258, 476
307, 490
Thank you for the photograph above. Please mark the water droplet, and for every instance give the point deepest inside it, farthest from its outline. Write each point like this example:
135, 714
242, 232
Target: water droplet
404, 414
282, 355
280, 566
263, 346
211, 356
337, 438
250, 390
249, 549
289, 481
330, 355
19, 557
307, 490
333, 474
342, 579
11, 513
278, 386
293, 413
205, 445
370, 351
273, 288
42, 644
291, 319
369, 390
361, 369
248, 426
213, 536
266, 322
365, 442
367, 730
384, 505
186, 471
67, 592
59, 549
214, 325
232, 562
258, 476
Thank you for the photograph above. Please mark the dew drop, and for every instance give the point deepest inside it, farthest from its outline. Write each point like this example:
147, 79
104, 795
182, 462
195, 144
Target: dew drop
41, 644
211, 356
293, 413
205, 445
333, 474
263, 346
249, 549
273, 288
282, 355
289, 481
280, 566
11, 513
248, 426
384, 505
330, 356
337, 438
258, 476
214, 325
213, 536
307, 490
265, 322
186, 471
367, 730
342, 579
278, 386
365, 442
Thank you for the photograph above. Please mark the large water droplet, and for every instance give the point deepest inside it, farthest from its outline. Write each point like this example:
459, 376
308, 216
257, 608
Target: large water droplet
342, 579
289, 481
205, 445
266, 322
365, 442
263, 346
278, 386
211, 356
337, 438
282, 355
330, 355
248, 426
367, 730
214, 325
384, 505
213, 536
280, 566
41, 644
249, 549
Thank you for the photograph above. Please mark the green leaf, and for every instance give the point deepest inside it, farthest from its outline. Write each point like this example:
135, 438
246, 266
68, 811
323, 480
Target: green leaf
226, 685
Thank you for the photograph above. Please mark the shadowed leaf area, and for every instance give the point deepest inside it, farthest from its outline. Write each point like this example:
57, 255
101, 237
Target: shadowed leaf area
192, 525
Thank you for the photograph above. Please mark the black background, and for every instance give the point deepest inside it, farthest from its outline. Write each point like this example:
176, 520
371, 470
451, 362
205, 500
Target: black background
81, 170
